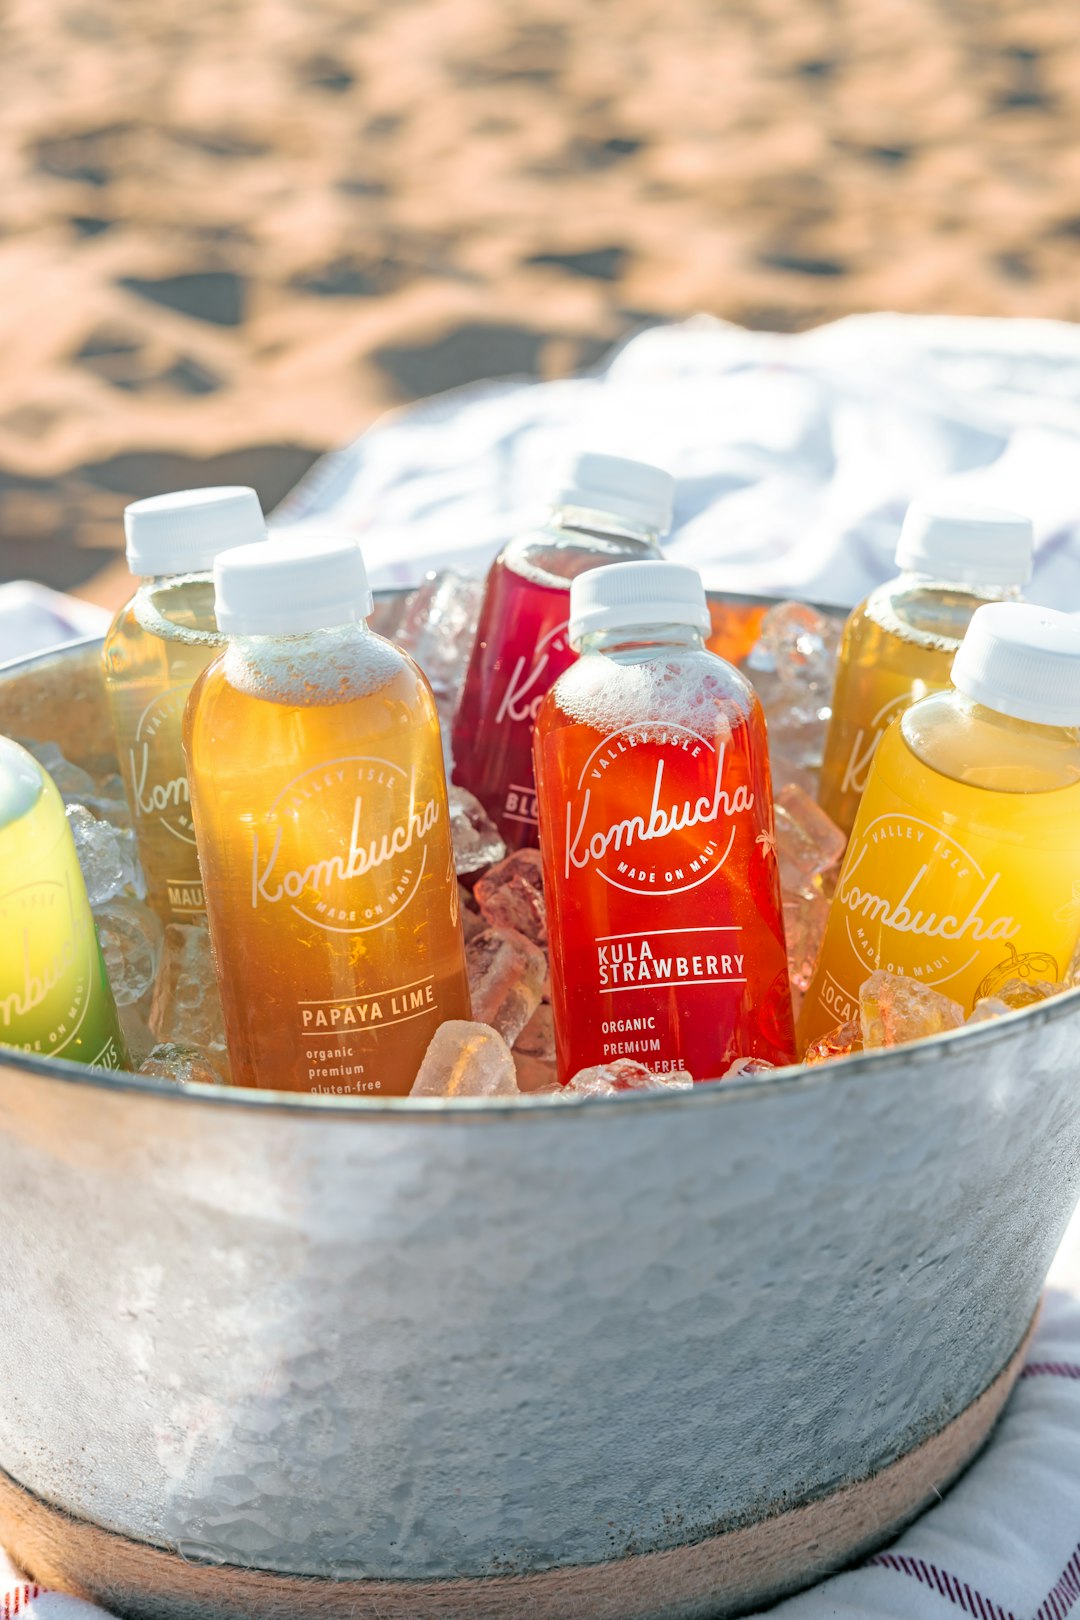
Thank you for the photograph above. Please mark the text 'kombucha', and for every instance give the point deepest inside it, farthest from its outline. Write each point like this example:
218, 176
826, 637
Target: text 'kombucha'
321, 812
667, 942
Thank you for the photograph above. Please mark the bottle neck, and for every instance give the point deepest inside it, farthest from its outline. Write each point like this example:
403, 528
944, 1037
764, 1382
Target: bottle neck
911, 579
641, 640
605, 525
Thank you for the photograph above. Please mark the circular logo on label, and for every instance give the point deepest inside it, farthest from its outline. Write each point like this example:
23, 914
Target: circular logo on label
652, 812
528, 679
344, 844
159, 781
917, 902
46, 961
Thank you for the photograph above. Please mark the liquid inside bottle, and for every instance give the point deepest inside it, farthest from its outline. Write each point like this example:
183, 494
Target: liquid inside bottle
609, 511
320, 808
158, 645
55, 998
963, 868
667, 939
900, 643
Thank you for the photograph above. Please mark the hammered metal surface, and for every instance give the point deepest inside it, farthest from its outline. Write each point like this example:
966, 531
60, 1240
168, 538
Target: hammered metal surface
351, 1338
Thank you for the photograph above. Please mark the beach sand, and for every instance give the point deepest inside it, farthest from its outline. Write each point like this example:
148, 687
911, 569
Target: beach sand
232, 234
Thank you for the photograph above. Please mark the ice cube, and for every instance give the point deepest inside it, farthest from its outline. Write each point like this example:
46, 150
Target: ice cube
806, 913
130, 935
808, 843
511, 895
107, 855
183, 1063
138, 1036
894, 1009
748, 1068
476, 838
624, 1074
466, 1060
986, 1008
534, 1074
837, 1043
471, 921
186, 1007
109, 800
75, 785
537, 1039
506, 979
800, 646
1025, 992
438, 627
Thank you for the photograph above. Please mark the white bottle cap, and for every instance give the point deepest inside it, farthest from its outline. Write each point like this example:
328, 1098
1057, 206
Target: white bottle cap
289, 584
183, 533
1022, 660
621, 595
959, 541
626, 489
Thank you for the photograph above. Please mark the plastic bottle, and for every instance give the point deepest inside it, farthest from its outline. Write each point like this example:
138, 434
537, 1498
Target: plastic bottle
656, 820
317, 784
963, 868
899, 644
55, 998
158, 643
608, 510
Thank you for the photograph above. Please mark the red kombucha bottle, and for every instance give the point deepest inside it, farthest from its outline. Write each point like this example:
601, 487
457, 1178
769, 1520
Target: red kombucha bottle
607, 511
656, 823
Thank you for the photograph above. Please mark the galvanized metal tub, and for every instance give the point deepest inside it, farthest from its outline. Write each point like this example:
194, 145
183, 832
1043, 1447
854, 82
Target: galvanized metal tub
642, 1356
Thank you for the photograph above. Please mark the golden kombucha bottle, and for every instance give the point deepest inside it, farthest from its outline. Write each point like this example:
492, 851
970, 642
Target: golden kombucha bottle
899, 644
963, 868
317, 786
55, 999
157, 645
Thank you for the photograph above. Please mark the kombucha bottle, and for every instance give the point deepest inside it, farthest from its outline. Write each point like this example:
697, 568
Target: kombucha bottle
317, 785
963, 868
656, 822
55, 999
608, 510
899, 644
157, 645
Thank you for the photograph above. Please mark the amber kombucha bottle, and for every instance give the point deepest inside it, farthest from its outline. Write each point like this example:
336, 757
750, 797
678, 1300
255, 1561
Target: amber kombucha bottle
656, 829
963, 869
899, 644
607, 510
158, 643
320, 807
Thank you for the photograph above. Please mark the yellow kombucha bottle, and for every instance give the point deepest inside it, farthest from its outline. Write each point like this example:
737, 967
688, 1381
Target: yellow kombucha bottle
55, 999
319, 797
899, 644
156, 646
963, 868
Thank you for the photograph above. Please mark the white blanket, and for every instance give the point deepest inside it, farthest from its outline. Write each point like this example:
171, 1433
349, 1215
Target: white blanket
795, 456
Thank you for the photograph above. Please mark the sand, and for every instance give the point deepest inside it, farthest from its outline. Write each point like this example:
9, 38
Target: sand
232, 234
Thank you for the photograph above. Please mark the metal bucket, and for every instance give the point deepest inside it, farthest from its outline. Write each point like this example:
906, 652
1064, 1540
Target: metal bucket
643, 1356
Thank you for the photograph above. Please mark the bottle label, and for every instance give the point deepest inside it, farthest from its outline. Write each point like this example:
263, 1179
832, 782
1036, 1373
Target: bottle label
531, 676
344, 845
916, 901
680, 821
159, 784
48, 950
864, 744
